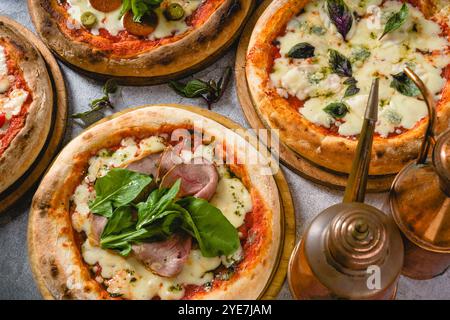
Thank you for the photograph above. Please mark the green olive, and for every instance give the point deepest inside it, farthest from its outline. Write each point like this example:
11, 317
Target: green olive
88, 19
174, 12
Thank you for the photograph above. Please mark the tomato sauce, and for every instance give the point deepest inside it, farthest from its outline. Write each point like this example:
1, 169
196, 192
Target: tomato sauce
17, 122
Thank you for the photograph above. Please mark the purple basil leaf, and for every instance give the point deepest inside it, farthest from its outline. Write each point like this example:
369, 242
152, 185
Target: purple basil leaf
340, 15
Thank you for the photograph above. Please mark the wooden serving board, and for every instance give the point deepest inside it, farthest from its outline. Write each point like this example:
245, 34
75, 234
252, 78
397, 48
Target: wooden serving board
288, 227
289, 157
207, 53
59, 119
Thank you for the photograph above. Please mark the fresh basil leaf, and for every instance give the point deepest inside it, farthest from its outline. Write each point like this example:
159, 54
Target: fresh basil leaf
110, 87
214, 233
350, 81
301, 50
121, 219
340, 64
336, 109
396, 20
156, 205
340, 15
117, 188
403, 84
351, 90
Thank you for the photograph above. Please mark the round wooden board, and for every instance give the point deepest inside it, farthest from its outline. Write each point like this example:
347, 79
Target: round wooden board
288, 225
207, 54
289, 157
59, 119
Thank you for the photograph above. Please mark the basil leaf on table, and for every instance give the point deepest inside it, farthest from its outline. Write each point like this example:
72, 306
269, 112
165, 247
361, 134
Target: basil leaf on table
117, 188
340, 15
403, 84
340, 64
396, 20
214, 233
301, 50
156, 205
336, 109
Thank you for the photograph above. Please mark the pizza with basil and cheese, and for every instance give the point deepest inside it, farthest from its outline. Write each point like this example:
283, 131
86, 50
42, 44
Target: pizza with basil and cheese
310, 65
26, 102
130, 39
145, 206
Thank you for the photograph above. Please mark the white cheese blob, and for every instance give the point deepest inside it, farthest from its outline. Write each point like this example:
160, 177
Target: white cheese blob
12, 104
110, 21
312, 81
232, 198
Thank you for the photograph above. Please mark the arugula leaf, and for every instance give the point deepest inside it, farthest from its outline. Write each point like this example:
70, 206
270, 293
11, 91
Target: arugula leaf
336, 109
155, 206
396, 20
403, 84
340, 15
301, 50
156, 232
118, 187
215, 234
210, 91
340, 64
121, 219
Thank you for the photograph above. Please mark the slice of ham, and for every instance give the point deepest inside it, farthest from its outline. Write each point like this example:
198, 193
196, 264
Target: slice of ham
97, 226
169, 159
165, 258
147, 165
198, 178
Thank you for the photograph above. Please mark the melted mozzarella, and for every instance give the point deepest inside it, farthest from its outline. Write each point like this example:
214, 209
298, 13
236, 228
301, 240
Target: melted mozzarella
128, 277
311, 80
232, 198
12, 104
110, 21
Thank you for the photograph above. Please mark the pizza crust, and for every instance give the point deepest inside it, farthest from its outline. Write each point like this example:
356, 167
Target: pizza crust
28, 143
55, 258
307, 139
163, 60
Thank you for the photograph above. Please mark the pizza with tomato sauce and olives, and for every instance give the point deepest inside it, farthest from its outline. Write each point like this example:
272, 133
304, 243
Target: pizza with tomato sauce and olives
26, 102
310, 65
149, 206
131, 39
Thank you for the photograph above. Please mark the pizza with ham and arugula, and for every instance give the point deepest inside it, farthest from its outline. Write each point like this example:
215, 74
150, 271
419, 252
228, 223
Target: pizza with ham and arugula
26, 102
310, 64
130, 38
148, 206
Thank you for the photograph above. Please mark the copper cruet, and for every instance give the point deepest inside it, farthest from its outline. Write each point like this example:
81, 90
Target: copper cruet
350, 250
420, 204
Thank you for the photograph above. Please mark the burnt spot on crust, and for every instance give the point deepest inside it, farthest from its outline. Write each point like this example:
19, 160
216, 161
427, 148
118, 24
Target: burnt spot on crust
96, 56
67, 294
379, 154
54, 271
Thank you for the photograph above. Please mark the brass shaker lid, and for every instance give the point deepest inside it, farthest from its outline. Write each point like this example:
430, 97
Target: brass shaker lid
346, 242
419, 200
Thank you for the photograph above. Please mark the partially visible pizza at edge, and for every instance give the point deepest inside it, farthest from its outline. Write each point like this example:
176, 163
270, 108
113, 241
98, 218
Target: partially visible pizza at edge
146, 206
130, 38
26, 102
310, 65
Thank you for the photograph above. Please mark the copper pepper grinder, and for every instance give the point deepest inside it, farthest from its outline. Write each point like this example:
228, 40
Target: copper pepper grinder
420, 204
350, 250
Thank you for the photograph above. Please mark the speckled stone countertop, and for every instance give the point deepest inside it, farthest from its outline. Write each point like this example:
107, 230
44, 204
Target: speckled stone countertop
16, 281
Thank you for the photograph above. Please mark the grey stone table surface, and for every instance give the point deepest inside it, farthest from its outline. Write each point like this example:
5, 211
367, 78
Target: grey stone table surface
16, 281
